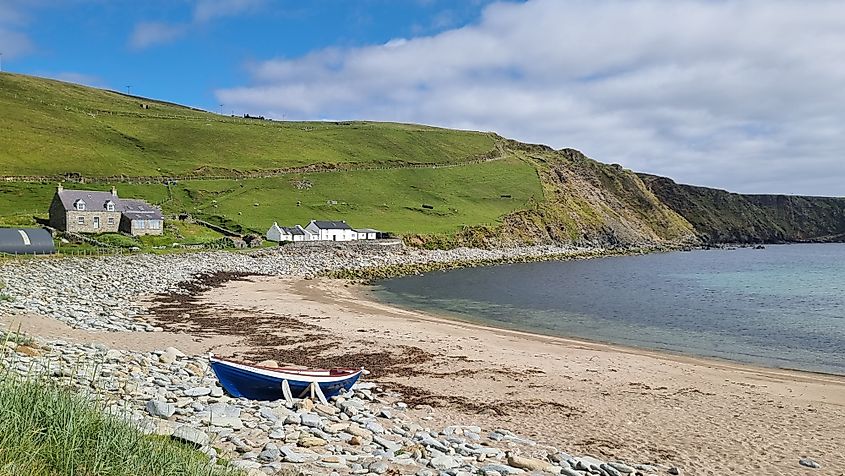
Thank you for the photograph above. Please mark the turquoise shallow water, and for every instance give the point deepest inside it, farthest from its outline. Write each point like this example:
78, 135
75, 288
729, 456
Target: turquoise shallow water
782, 307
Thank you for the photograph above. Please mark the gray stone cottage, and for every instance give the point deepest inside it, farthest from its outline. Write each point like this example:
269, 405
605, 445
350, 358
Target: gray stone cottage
86, 211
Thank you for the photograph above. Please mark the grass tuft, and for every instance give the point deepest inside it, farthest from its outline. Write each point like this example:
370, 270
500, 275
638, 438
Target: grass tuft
47, 429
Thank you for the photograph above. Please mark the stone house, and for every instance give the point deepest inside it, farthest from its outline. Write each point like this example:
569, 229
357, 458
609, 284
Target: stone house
86, 211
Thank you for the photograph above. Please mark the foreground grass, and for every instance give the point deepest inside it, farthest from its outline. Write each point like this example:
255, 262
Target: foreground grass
46, 429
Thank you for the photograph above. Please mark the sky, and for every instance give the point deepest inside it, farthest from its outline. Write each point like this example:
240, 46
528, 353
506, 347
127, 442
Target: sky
742, 95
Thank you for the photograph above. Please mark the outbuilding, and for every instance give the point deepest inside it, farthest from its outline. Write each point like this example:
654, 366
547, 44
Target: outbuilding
365, 233
26, 241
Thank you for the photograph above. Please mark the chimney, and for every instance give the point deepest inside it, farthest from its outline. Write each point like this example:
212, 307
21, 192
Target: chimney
60, 188
114, 190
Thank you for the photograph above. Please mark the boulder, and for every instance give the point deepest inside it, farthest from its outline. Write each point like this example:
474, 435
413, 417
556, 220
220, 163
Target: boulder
191, 435
160, 408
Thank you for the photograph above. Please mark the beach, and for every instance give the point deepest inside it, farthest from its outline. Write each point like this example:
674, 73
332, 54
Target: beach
615, 403
705, 416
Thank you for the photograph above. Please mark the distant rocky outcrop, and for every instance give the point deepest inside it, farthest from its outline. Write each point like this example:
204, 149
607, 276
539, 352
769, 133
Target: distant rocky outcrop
719, 216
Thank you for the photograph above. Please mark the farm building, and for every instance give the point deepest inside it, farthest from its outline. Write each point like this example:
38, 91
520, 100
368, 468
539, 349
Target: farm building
86, 211
26, 241
331, 230
365, 233
140, 218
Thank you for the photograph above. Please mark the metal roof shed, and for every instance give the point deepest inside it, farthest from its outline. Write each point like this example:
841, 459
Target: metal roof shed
26, 241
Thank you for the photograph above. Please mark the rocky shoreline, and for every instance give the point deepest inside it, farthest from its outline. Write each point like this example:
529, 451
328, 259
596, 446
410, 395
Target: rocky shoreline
103, 293
369, 430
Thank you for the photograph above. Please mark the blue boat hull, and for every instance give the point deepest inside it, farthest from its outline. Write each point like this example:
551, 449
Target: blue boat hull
239, 382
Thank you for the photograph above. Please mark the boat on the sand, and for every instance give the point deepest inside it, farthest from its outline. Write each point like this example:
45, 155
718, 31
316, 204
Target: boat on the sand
272, 383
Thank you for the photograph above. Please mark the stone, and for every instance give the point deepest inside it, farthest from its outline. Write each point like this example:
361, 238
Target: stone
269, 455
161, 409
375, 427
197, 392
227, 422
622, 467
326, 409
311, 441
306, 405
809, 463
674, 470
27, 351
291, 456
531, 464
191, 435
268, 363
502, 469
310, 419
444, 462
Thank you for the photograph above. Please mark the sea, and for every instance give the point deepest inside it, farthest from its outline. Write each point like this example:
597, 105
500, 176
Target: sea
782, 306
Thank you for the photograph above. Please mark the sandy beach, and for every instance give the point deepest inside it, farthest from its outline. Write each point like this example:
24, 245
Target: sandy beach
703, 416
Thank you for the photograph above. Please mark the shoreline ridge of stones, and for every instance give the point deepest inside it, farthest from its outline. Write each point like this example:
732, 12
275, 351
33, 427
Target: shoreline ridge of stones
367, 430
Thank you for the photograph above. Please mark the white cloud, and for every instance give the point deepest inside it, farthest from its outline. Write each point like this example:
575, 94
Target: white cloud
148, 34
743, 95
152, 33
13, 43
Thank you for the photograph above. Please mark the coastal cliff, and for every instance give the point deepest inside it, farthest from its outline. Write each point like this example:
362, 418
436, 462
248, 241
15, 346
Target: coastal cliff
719, 216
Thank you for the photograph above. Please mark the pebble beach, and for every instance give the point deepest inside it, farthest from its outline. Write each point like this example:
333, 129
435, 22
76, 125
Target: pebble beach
134, 332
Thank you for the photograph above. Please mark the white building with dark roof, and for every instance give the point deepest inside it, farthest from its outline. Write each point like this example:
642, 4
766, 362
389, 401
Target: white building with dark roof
325, 230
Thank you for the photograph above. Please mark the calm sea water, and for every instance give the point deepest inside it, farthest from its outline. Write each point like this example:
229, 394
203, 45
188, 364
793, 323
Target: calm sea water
783, 306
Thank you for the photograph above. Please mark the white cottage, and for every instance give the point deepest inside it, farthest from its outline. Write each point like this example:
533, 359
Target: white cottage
277, 233
284, 233
331, 230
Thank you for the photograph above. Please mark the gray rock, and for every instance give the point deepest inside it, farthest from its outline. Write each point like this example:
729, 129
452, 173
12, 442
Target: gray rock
160, 408
310, 419
269, 455
197, 392
378, 467
622, 467
291, 456
445, 462
809, 463
188, 434
674, 470
502, 469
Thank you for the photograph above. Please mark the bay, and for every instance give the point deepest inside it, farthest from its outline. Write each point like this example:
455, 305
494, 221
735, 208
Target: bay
782, 306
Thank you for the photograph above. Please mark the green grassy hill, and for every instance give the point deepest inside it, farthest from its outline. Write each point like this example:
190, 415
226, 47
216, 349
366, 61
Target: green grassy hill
436, 187
51, 128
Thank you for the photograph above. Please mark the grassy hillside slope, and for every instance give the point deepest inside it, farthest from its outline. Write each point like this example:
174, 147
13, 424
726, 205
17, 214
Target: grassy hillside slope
51, 128
436, 187
724, 217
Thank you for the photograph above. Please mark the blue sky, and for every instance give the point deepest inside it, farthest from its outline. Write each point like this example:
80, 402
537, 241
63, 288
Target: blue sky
183, 51
743, 95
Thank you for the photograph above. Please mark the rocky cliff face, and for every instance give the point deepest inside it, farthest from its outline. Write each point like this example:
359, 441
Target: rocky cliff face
724, 217
585, 203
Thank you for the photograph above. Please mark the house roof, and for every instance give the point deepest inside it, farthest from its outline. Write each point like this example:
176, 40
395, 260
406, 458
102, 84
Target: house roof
139, 210
331, 225
365, 230
292, 230
94, 201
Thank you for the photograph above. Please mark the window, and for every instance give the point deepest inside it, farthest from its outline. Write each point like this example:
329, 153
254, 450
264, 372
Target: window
111, 220
155, 224
79, 204
139, 224
80, 220
110, 206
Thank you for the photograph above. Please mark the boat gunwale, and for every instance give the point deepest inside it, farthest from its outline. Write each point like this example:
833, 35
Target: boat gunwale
340, 372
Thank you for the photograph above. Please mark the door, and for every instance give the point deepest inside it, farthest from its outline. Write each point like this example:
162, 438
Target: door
96, 222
